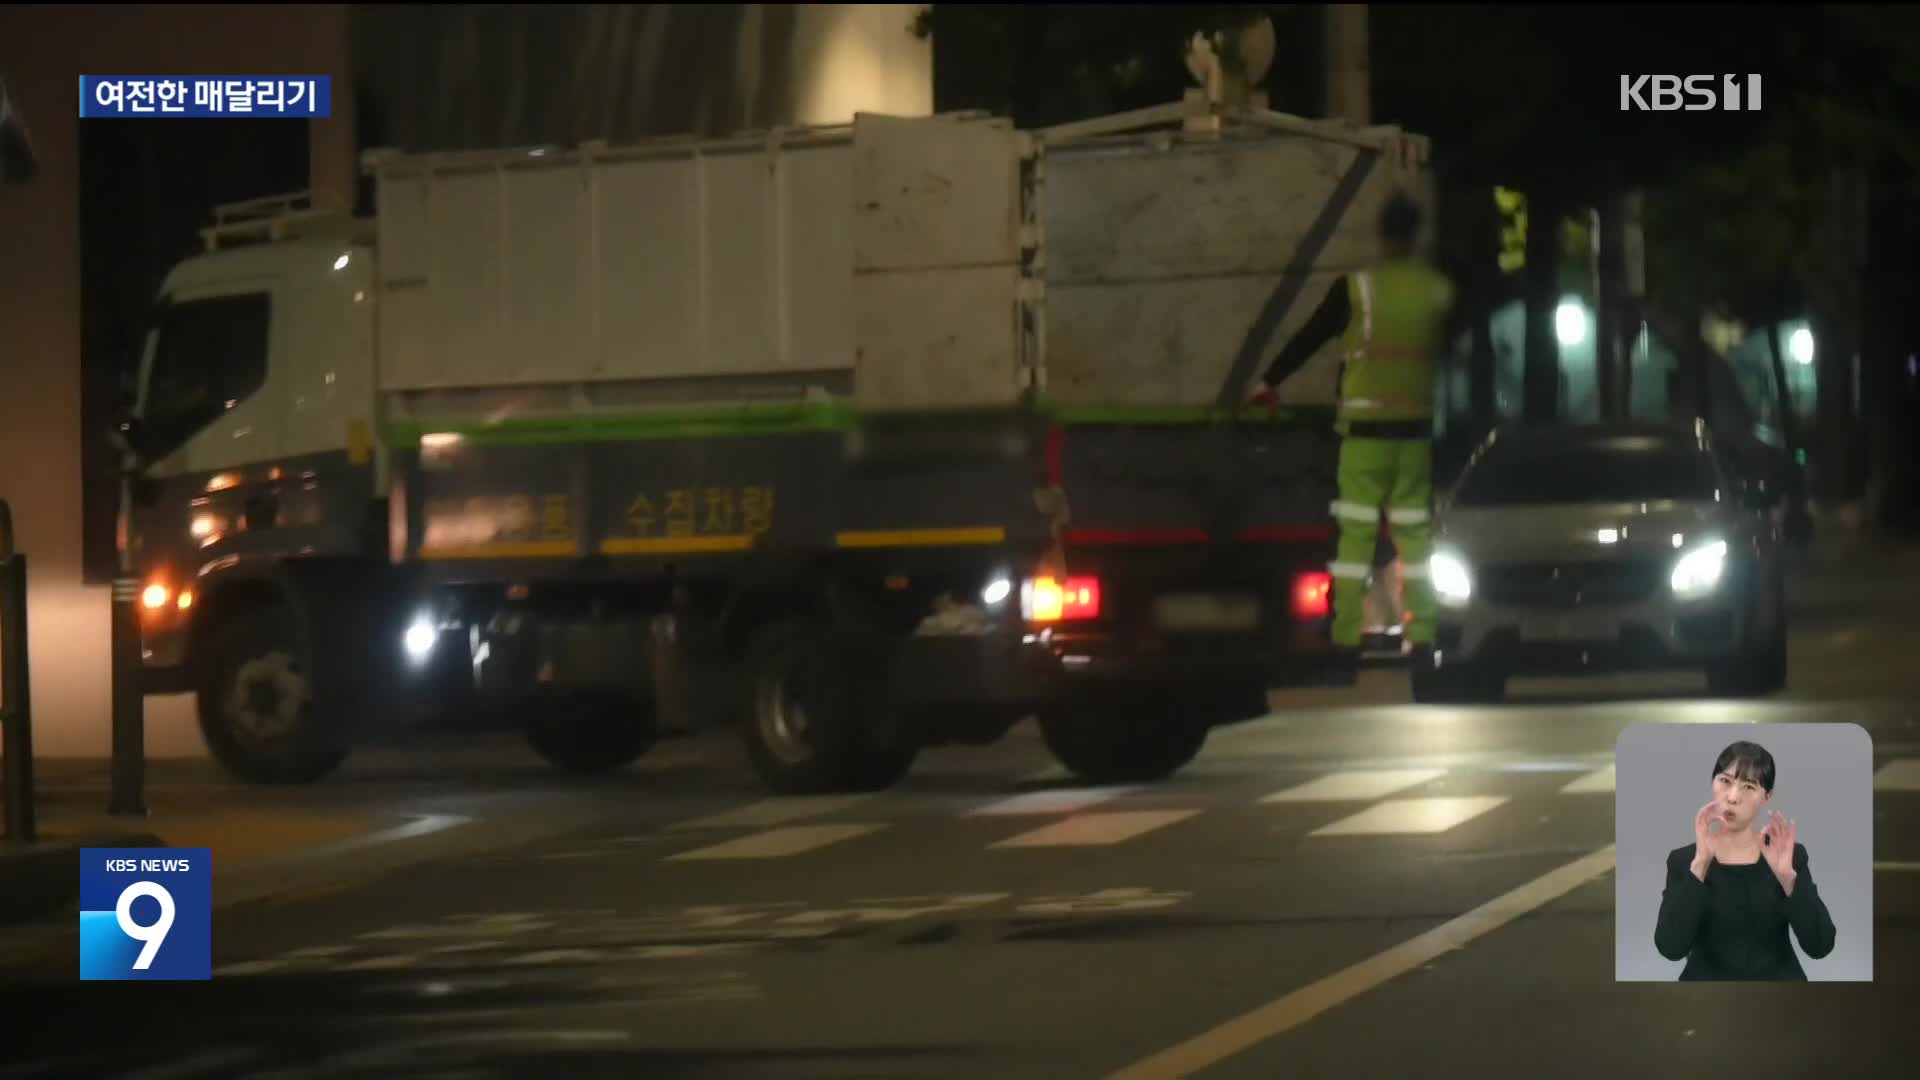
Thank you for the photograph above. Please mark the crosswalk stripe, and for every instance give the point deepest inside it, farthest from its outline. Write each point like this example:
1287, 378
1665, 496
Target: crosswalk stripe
1900, 774
1062, 801
776, 843
1596, 782
1411, 816
768, 813
1356, 785
1096, 830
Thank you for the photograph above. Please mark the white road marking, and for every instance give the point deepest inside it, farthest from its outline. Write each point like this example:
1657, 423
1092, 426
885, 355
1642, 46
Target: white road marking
777, 843
465, 926
767, 813
1411, 816
421, 825
1360, 785
391, 962
1597, 782
1096, 830
193, 1066
316, 952
251, 967
1062, 801
1296, 1008
888, 914
1901, 774
1104, 902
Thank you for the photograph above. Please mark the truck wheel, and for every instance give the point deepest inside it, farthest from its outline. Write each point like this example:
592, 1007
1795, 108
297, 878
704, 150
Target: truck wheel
258, 709
1122, 742
805, 726
586, 734
1457, 684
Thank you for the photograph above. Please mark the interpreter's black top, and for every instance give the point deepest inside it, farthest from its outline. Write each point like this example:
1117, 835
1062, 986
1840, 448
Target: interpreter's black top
1733, 926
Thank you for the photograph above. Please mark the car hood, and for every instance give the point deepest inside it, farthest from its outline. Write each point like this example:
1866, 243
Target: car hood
1575, 531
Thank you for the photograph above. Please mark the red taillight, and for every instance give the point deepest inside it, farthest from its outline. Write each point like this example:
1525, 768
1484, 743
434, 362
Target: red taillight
1046, 600
1312, 595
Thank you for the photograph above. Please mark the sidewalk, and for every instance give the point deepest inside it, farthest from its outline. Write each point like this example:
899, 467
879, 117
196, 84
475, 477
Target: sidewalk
41, 880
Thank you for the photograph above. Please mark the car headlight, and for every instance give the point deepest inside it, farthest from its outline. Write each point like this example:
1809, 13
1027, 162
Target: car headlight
1447, 572
1698, 572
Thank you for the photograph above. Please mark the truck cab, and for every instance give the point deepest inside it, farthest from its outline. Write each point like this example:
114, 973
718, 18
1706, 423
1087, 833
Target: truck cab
253, 433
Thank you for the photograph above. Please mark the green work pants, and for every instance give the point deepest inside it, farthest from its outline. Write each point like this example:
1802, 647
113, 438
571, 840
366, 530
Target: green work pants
1394, 476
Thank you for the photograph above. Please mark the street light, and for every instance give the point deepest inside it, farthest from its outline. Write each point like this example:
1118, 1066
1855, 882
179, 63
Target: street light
1570, 323
1800, 346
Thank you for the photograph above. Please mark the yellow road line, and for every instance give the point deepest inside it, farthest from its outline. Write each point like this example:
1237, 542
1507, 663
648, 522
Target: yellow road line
885, 538
676, 545
538, 549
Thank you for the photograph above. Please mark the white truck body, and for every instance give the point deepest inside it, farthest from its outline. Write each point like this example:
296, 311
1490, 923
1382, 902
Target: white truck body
882, 261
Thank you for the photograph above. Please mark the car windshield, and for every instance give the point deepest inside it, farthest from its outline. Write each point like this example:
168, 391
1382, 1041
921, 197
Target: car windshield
1588, 474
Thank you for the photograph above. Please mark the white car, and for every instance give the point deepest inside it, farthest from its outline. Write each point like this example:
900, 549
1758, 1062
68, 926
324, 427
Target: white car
1584, 549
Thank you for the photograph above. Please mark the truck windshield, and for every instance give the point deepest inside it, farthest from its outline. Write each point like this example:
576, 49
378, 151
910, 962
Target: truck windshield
211, 354
1588, 475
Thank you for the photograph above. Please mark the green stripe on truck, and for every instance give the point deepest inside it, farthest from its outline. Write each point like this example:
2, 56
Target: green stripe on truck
746, 420
627, 427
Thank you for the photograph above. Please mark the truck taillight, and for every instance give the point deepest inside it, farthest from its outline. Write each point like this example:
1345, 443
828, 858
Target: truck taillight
1044, 599
1312, 595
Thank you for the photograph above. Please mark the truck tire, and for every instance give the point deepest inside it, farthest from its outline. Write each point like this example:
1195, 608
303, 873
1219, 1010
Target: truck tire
259, 713
1118, 742
805, 727
587, 734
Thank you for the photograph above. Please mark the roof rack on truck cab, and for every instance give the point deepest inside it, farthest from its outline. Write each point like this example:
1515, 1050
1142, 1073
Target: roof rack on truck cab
272, 218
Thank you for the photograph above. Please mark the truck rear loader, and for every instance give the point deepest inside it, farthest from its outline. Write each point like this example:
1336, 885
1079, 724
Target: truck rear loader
895, 432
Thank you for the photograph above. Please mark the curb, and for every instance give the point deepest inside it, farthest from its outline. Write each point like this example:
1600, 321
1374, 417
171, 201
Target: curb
40, 879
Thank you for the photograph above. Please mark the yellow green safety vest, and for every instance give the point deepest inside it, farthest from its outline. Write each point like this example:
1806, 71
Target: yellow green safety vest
1399, 310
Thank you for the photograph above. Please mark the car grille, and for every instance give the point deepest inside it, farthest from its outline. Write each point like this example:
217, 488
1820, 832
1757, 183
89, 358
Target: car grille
1567, 585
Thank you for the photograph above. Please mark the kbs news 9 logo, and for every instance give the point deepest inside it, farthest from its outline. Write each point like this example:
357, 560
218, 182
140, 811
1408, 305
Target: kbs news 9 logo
146, 913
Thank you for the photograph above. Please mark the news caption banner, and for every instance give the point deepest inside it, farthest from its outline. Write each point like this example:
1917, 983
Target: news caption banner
306, 97
146, 913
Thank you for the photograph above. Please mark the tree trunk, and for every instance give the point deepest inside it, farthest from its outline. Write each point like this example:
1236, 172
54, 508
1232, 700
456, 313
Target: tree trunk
1480, 295
1540, 385
1833, 289
1612, 348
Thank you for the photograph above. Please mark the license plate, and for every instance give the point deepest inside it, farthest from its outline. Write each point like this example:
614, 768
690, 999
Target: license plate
1185, 612
1566, 628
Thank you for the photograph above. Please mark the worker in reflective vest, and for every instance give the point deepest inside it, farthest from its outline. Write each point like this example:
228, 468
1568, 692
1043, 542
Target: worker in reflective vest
1389, 320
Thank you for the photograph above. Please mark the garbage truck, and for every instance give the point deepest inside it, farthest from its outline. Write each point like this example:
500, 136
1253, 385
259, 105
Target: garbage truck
893, 433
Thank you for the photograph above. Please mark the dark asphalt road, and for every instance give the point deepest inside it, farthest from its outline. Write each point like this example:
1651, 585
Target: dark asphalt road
985, 920
905, 944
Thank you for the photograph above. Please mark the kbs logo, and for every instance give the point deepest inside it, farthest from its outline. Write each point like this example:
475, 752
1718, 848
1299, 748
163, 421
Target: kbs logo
1692, 93
146, 913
